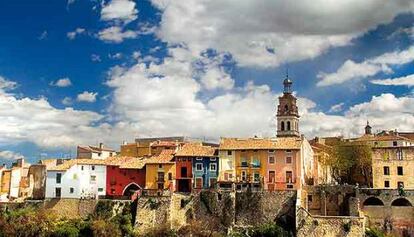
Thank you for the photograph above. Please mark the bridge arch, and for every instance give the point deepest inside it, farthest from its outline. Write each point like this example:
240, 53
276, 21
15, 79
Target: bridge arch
401, 202
373, 201
130, 188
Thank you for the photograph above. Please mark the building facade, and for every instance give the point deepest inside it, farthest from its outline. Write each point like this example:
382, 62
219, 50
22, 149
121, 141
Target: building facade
94, 152
160, 172
125, 175
77, 178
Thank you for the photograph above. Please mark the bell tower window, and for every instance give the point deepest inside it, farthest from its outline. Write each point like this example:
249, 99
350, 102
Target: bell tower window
282, 126
286, 108
288, 125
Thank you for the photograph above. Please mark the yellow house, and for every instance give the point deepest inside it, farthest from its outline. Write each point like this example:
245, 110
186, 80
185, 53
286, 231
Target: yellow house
160, 171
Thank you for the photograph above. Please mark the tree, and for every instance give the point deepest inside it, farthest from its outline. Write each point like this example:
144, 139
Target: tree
351, 161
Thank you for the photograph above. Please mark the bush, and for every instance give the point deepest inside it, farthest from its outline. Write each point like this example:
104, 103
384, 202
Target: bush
374, 233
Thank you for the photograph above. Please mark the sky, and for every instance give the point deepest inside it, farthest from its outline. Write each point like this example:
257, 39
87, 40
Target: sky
88, 71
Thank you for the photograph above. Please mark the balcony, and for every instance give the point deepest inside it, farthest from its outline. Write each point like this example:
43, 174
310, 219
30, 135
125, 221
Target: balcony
160, 180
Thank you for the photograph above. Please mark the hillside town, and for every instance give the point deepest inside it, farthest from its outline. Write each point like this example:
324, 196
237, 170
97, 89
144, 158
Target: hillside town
289, 162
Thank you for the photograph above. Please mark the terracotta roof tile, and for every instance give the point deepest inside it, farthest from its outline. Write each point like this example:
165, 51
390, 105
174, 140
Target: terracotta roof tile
196, 149
259, 143
69, 163
164, 157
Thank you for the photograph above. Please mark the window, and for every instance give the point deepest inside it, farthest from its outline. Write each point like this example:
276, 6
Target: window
58, 192
400, 170
170, 176
230, 176
271, 151
159, 166
288, 125
58, 178
243, 175
199, 158
100, 189
386, 170
272, 176
394, 143
400, 184
229, 153
199, 182
199, 167
289, 160
288, 151
243, 162
213, 158
386, 184
282, 126
82, 167
286, 108
93, 167
213, 167
289, 177
310, 198
75, 176
71, 190
93, 178
256, 162
271, 159
399, 154
213, 182
112, 191
375, 143
256, 177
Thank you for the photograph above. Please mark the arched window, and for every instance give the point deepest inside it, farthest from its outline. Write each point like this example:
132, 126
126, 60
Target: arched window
288, 125
401, 202
286, 108
282, 126
373, 201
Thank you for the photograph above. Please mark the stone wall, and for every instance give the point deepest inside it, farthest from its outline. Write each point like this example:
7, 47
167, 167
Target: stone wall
153, 212
328, 226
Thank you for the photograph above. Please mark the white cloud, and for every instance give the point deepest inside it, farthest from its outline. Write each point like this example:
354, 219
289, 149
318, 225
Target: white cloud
115, 56
62, 82
96, 58
399, 81
10, 155
351, 70
67, 101
6, 85
337, 108
116, 34
119, 10
43, 35
216, 78
268, 33
73, 34
87, 97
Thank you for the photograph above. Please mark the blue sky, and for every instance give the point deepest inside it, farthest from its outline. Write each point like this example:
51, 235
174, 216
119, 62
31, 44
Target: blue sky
83, 72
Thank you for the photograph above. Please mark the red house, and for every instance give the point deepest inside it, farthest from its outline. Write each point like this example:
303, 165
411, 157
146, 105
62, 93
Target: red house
124, 176
183, 174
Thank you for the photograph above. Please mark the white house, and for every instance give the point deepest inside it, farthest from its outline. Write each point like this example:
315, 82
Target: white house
77, 178
94, 152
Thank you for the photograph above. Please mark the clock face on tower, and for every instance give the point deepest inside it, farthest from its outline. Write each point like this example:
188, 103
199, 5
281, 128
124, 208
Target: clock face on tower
287, 112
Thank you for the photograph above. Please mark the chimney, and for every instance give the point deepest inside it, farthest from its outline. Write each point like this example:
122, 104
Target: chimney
101, 145
124, 142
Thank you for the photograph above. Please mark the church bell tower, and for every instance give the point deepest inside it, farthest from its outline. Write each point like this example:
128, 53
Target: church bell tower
287, 112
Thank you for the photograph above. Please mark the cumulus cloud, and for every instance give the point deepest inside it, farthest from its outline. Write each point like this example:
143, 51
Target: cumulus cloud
6, 85
216, 78
73, 34
62, 82
116, 34
265, 34
119, 10
87, 97
10, 155
67, 101
351, 70
399, 81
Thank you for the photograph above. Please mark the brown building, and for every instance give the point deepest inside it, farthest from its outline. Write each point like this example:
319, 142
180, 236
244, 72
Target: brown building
150, 146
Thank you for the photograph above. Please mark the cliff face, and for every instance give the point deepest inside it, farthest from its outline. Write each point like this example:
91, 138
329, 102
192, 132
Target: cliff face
216, 211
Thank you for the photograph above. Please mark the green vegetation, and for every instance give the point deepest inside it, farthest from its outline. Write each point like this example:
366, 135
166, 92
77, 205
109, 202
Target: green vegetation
372, 232
265, 230
28, 222
351, 162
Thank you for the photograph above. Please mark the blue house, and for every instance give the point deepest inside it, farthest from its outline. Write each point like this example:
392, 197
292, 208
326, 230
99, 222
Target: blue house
204, 161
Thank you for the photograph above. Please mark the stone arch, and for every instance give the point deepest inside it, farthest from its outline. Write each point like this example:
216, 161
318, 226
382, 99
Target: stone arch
401, 202
288, 125
282, 126
373, 201
130, 188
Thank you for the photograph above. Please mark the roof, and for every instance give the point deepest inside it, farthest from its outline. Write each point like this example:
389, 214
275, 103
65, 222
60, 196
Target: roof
160, 143
196, 149
96, 149
69, 163
409, 135
126, 162
260, 143
388, 137
164, 157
